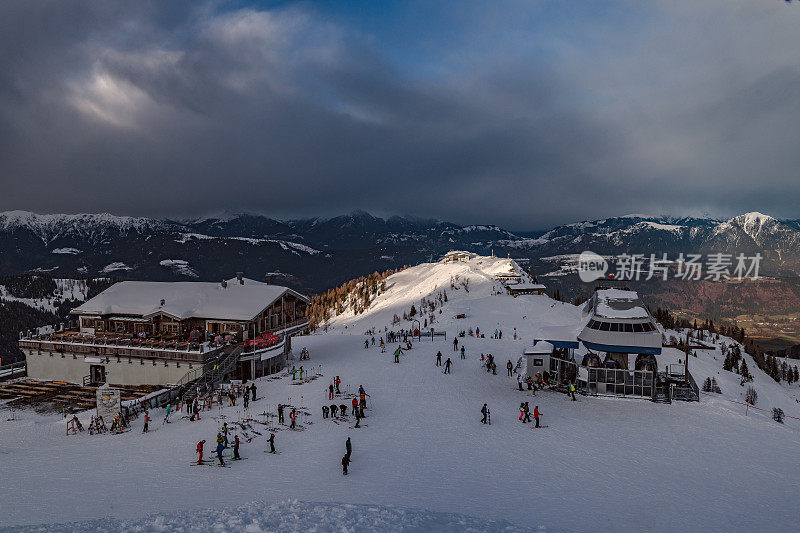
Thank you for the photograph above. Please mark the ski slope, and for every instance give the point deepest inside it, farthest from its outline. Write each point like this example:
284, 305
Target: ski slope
423, 457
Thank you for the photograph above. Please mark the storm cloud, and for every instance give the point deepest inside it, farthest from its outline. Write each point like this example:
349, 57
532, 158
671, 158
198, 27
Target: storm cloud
524, 114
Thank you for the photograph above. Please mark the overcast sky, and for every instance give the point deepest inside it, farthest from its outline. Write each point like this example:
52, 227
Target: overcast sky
525, 114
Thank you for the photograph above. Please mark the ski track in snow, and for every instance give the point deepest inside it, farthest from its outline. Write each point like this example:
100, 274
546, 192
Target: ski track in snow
425, 461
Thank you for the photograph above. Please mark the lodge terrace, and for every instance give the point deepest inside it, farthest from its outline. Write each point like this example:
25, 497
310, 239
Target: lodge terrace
158, 333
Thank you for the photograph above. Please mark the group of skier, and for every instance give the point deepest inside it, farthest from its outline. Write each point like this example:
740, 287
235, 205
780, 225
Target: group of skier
204, 395
358, 404
447, 364
334, 386
223, 444
525, 413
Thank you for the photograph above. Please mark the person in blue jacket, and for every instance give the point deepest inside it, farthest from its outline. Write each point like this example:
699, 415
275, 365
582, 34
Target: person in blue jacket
220, 447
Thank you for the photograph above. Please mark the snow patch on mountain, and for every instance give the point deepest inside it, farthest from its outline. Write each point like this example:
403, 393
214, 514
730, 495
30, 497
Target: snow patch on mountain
179, 266
286, 245
66, 251
115, 267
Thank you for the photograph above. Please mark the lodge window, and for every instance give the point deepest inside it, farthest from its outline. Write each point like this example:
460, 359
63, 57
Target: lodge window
638, 328
614, 326
628, 328
604, 326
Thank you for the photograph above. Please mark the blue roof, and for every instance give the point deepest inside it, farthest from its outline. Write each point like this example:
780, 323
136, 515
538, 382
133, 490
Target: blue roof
622, 349
559, 344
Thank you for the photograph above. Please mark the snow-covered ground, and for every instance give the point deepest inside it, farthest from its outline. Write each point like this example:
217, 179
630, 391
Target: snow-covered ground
423, 458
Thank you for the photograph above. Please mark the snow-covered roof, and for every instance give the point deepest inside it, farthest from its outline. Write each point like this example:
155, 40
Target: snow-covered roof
186, 299
540, 348
527, 287
619, 303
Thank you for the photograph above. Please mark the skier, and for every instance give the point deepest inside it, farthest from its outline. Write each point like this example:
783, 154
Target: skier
355, 405
572, 391
337, 382
348, 447
509, 367
324, 411
236, 447
345, 463
146, 422
447, 366
253, 388
246, 400
455, 344
294, 372
301, 372
519, 382
494, 368
220, 447
373, 341
200, 452
343, 409
366, 343
500, 336
527, 411
280, 413
330, 391
225, 433
536, 415
362, 397
358, 414
271, 441
383, 346
195, 410
334, 408
293, 418
397, 353
462, 352
167, 412
484, 412
439, 358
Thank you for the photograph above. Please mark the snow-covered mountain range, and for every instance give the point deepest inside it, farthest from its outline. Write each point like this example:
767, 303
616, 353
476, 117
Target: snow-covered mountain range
323, 251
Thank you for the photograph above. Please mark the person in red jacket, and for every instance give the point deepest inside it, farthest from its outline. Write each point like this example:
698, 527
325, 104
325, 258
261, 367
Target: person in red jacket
355, 405
536, 415
236, 447
200, 452
293, 417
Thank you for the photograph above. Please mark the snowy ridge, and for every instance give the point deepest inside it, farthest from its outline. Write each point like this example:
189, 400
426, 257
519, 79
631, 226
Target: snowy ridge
427, 280
50, 227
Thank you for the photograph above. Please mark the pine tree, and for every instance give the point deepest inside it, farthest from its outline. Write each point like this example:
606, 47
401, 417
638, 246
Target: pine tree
745, 372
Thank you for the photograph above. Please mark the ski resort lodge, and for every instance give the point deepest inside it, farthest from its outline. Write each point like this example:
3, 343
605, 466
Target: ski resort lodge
157, 333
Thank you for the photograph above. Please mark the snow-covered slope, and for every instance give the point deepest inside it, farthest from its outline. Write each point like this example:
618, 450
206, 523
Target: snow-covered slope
470, 287
602, 464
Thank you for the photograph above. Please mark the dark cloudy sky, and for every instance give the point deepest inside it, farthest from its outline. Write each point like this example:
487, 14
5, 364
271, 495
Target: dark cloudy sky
522, 113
